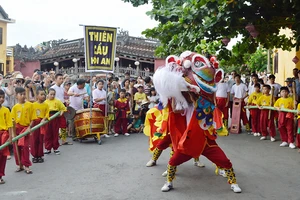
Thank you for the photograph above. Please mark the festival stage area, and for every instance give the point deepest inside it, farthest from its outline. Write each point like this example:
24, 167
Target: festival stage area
116, 170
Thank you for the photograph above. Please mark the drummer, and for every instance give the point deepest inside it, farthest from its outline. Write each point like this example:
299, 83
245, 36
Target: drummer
99, 97
77, 94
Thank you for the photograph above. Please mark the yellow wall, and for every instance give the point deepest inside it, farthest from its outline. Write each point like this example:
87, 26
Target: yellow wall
285, 63
3, 25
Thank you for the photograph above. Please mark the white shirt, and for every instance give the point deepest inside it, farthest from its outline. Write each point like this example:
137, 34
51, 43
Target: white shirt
222, 90
99, 94
239, 91
6, 102
251, 88
59, 92
77, 102
276, 88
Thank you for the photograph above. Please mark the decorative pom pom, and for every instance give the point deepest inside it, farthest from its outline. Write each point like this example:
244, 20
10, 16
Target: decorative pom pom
187, 64
216, 65
213, 59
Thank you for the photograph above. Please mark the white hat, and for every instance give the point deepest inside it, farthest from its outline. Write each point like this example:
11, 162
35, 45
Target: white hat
19, 76
138, 85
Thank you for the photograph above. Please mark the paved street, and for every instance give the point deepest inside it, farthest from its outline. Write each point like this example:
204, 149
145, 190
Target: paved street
116, 170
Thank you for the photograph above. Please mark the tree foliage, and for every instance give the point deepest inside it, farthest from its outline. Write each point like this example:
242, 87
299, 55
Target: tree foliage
183, 24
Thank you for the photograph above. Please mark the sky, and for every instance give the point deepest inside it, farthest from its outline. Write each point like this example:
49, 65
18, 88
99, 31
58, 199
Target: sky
43, 20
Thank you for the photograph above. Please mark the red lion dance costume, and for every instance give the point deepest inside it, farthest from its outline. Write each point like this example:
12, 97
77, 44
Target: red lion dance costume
186, 86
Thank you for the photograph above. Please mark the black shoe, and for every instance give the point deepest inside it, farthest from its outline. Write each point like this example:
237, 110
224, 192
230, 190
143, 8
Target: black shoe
34, 160
47, 152
57, 152
40, 160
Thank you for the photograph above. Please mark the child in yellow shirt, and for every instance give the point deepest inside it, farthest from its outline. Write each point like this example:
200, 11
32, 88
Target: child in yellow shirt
52, 135
255, 113
5, 134
40, 113
266, 116
22, 114
285, 120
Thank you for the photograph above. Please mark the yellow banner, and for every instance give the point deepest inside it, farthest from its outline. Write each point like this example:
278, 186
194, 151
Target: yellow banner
100, 48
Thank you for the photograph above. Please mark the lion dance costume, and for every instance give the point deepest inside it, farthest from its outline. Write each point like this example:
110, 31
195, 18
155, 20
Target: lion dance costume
187, 116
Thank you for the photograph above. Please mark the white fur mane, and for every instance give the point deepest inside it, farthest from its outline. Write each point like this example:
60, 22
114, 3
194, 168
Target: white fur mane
169, 83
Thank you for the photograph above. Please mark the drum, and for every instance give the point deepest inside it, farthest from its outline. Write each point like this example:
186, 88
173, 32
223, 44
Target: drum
84, 118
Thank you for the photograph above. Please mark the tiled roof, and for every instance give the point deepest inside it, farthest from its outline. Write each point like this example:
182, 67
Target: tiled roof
24, 53
64, 49
127, 45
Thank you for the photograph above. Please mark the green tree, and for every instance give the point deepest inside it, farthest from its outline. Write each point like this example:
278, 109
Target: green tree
184, 24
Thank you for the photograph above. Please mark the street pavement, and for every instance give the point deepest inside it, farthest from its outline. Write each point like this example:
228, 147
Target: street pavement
116, 170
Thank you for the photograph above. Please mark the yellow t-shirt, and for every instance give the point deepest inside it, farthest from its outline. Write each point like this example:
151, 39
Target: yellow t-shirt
40, 111
253, 98
55, 105
22, 113
139, 97
5, 116
264, 100
285, 103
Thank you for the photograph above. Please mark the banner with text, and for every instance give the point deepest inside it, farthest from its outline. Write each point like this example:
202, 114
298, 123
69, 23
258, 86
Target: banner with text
100, 48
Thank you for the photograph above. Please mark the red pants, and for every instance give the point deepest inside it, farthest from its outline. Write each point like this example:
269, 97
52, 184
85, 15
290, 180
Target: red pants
267, 123
243, 114
121, 125
51, 136
298, 140
4, 152
101, 107
37, 139
211, 151
221, 104
4, 135
286, 127
164, 143
3, 159
62, 122
23, 148
255, 120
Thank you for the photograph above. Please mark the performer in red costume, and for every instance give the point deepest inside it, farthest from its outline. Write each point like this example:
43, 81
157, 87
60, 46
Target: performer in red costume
194, 132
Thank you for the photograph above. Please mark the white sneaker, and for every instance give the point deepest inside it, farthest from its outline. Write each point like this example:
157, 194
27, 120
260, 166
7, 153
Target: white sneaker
126, 134
292, 146
151, 163
284, 144
167, 187
250, 133
199, 164
255, 134
222, 173
273, 139
263, 138
165, 173
116, 134
106, 136
258, 134
236, 188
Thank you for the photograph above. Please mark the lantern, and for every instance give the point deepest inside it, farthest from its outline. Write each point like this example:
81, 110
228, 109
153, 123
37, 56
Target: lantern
250, 28
295, 59
225, 41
